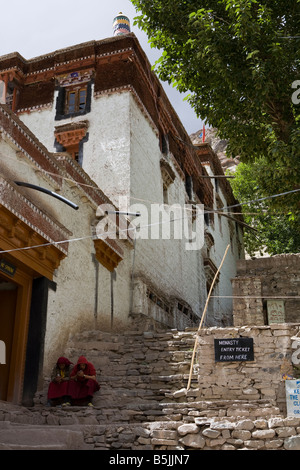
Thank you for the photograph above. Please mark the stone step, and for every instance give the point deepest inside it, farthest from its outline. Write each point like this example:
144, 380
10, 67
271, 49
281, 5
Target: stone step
220, 408
134, 368
135, 346
166, 410
142, 381
79, 416
33, 447
32, 437
136, 426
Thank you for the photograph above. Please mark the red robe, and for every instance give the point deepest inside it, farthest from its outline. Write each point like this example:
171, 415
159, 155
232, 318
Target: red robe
59, 389
81, 388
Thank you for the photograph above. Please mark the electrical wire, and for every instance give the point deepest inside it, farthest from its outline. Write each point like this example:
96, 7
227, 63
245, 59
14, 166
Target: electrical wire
99, 236
261, 199
71, 180
95, 187
95, 237
265, 297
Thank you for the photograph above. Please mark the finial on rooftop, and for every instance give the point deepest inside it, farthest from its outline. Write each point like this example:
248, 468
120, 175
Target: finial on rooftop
121, 25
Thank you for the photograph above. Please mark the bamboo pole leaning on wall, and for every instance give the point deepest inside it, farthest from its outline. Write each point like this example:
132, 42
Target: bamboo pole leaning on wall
203, 316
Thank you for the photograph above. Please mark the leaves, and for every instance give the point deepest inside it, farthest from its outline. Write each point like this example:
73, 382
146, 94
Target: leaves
277, 227
231, 56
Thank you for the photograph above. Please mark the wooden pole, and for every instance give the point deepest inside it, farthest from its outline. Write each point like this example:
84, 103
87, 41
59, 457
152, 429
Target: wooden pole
203, 316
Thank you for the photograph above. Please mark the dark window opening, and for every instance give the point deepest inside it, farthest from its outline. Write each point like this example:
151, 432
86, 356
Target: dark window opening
189, 186
206, 219
164, 144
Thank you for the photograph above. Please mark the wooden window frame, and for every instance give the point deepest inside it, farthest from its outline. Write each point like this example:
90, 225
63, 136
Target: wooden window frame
62, 108
79, 106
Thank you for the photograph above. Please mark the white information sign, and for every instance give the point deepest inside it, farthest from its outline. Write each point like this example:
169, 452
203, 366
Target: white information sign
292, 388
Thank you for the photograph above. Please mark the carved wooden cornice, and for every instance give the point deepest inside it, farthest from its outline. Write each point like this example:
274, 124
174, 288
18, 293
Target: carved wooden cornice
108, 253
23, 225
210, 270
70, 137
16, 132
167, 173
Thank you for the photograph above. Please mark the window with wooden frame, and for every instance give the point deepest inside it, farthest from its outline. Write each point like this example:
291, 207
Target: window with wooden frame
74, 94
76, 99
73, 101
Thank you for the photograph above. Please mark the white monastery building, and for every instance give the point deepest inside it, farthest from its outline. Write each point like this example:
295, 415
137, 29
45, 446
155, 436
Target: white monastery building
109, 216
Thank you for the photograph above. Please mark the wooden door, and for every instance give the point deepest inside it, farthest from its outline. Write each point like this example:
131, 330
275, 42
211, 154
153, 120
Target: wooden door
8, 302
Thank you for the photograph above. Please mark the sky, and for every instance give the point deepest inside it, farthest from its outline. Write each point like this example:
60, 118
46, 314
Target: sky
37, 27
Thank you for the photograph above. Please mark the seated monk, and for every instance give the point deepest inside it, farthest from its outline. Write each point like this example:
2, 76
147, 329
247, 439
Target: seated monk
83, 383
58, 387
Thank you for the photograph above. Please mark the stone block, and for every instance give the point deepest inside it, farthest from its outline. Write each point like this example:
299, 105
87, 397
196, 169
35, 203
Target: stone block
261, 424
245, 424
144, 441
222, 425
254, 444
180, 393
187, 429
286, 431
291, 421
163, 442
164, 434
292, 443
196, 441
219, 441
274, 444
263, 434
275, 422
242, 434
228, 447
211, 433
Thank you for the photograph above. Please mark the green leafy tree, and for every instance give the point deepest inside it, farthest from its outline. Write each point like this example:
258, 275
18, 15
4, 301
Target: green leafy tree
276, 226
240, 61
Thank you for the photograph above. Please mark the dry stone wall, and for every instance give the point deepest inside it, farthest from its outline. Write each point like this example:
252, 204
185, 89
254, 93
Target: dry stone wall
242, 434
230, 425
260, 379
143, 403
261, 280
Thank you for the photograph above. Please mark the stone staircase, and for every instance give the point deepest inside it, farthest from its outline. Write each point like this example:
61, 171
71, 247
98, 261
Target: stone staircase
15, 436
138, 372
135, 371
141, 404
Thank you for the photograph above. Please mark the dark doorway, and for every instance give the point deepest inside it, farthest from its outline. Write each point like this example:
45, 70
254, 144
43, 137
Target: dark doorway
36, 338
8, 302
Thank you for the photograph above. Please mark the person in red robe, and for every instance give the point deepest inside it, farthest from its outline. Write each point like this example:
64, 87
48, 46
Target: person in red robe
83, 383
58, 393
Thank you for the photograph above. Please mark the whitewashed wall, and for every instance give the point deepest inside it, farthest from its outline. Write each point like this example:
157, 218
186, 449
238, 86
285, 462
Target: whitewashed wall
170, 267
122, 156
72, 307
220, 307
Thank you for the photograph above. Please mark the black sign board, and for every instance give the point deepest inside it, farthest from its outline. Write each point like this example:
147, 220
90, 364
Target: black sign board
7, 268
234, 349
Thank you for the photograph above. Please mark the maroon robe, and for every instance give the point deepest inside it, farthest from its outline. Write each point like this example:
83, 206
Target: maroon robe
59, 389
81, 389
